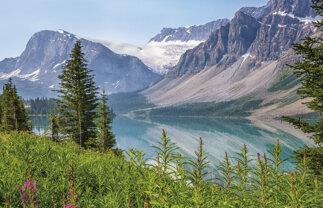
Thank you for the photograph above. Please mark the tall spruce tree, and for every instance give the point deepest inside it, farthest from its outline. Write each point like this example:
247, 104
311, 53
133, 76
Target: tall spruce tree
310, 70
77, 98
13, 113
105, 137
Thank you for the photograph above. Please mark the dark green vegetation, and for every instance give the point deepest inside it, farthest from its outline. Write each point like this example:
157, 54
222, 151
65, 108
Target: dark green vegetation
237, 108
40, 106
65, 173
310, 69
77, 99
285, 81
13, 115
80, 117
312, 118
105, 135
128, 101
105, 180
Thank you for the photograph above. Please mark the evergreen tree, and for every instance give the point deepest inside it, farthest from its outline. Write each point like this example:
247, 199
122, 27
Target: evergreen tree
54, 127
77, 98
13, 113
310, 69
105, 136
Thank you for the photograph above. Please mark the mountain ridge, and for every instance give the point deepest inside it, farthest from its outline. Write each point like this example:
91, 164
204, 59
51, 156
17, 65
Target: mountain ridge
163, 51
242, 58
195, 32
47, 51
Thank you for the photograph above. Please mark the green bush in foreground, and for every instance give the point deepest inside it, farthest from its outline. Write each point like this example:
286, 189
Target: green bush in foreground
104, 180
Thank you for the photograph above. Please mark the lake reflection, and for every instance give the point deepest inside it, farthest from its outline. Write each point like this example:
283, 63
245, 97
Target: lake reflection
219, 135
40, 123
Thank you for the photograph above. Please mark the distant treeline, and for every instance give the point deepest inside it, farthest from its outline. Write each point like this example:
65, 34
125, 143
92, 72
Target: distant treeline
128, 101
119, 103
40, 105
44, 106
237, 108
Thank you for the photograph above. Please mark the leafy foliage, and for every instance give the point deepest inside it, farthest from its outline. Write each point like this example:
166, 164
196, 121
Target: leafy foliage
198, 173
101, 179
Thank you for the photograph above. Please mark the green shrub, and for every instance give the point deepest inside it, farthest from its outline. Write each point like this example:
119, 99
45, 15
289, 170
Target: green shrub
99, 179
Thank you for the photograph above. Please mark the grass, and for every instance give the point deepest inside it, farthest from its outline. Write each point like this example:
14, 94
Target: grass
65, 174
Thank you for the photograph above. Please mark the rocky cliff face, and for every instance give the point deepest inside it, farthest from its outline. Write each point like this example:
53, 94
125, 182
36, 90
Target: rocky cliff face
193, 61
243, 30
196, 32
35, 71
243, 57
299, 8
260, 12
260, 32
231, 40
287, 23
277, 34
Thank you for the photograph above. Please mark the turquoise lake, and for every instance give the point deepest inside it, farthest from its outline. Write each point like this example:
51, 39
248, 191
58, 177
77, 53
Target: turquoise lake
219, 135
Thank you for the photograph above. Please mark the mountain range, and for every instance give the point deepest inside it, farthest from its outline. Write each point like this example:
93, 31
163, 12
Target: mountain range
118, 67
219, 61
244, 57
36, 70
164, 50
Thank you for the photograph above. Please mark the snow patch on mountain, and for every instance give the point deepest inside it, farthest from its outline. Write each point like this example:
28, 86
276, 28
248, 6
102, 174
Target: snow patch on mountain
159, 56
59, 64
116, 84
31, 76
163, 51
305, 20
246, 55
16, 73
4, 76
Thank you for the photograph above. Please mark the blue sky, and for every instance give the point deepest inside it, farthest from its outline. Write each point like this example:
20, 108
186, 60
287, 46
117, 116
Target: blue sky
128, 21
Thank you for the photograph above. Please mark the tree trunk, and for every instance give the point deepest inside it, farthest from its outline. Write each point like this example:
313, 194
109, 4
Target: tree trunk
80, 128
15, 117
52, 128
103, 135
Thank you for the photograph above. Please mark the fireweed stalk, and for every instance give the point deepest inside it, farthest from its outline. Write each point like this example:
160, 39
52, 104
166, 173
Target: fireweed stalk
28, 194
72, 199
5, 201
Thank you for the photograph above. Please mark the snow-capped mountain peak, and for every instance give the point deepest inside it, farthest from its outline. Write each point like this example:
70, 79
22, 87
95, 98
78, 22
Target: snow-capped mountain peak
164, 50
